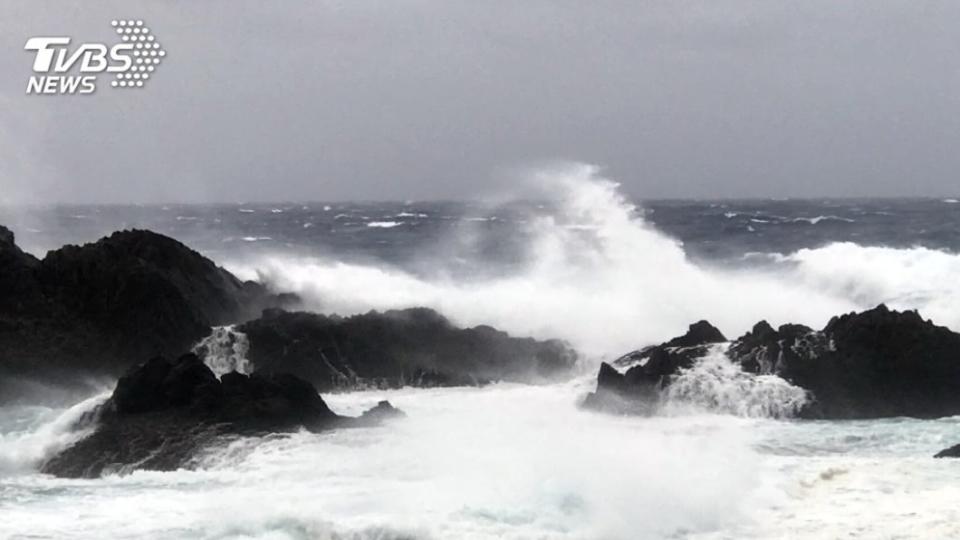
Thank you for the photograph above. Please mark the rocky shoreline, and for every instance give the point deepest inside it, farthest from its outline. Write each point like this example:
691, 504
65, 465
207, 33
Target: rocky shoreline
95, 310
99, 309
163, 413
873, 364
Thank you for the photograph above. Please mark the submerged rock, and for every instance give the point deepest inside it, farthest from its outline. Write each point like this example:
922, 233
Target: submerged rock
874, 364
417, 347
162, 413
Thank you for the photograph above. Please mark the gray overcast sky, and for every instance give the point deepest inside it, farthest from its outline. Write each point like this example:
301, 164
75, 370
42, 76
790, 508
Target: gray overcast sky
433, 98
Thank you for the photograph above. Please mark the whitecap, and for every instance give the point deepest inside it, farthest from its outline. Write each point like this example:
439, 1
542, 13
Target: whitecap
384, 224
818, 219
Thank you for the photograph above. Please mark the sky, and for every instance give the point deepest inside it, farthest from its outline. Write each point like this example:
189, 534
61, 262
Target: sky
437, 99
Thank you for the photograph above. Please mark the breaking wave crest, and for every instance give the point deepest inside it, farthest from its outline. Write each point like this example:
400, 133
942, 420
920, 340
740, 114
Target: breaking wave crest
601, 277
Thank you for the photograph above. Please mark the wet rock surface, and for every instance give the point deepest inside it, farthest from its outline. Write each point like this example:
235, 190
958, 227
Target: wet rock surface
873, 364
163, 413
91, 310
416, 347
638, 389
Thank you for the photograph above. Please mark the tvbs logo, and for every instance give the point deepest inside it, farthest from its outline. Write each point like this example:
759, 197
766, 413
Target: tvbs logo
75, 69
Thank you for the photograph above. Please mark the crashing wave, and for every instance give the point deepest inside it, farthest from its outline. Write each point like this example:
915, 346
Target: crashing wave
717, 384
24, 450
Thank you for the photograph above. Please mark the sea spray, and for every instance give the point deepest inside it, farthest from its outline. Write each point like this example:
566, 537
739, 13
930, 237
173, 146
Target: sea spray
225, 350
718, 385
597, 275
916, 278
25, 447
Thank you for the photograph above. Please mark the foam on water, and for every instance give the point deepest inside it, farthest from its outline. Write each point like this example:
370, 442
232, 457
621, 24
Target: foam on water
507, 461
512, 461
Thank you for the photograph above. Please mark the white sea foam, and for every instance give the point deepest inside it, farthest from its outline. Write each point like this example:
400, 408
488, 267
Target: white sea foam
818, 219
716, 384
507, 461
384, 224
915, 278
518, 462
225, 350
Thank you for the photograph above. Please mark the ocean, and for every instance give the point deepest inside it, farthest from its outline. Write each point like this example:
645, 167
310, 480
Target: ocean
584, 263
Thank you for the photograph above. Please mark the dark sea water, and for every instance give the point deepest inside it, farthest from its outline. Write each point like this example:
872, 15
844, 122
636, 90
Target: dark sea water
399, 232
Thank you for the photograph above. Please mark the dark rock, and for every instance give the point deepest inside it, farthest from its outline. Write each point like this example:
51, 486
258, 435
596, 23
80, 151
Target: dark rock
383, 411
396, 348
874, 364
952, 452
87, 310
699, 333
637, 391
622, 394
163, 413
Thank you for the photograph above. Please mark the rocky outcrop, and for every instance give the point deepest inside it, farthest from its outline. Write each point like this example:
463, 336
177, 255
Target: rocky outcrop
163, 413
637, 391
417, 347
952, 452
873, 364
88, 310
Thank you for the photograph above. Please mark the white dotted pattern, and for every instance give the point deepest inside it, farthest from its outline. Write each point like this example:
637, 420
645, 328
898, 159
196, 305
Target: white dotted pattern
146, 51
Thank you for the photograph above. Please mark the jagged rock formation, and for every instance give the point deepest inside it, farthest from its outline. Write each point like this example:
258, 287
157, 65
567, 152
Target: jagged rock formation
162, 413
873, 364
416, 347
637, 391
93, 309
